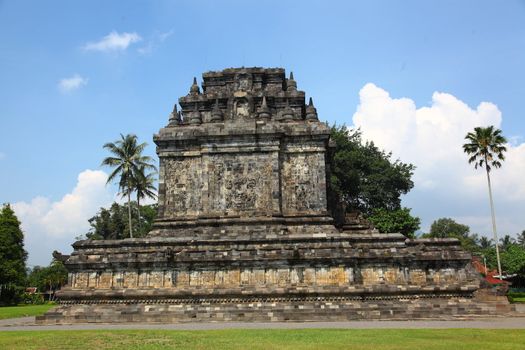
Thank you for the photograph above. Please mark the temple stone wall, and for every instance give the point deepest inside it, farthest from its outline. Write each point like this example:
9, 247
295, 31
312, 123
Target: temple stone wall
203, 182
254, 277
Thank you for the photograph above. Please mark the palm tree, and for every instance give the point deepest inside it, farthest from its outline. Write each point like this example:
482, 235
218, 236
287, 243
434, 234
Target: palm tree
484, 242
485, 148
144, 186
521, 238
127, 159
506, 241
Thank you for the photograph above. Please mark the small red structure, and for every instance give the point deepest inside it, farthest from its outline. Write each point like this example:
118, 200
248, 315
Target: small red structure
489, 274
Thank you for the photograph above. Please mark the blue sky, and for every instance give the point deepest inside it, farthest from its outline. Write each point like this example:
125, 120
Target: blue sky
68, 85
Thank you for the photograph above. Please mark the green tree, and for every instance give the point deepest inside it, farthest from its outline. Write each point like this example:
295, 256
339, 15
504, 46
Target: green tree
521, 239
101, 225
513, 259
48, 279
112, 223
398, 220
36, 278
12, 256
144, 185
485, 146
127, 160
56, 277
485, 243
149, 214
506, 241
446, 227
449, 228
363, 176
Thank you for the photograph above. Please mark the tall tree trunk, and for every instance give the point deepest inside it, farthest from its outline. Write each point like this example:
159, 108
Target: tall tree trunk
493, 222
129, 215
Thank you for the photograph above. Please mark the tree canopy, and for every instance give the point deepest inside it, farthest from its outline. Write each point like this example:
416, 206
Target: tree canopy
112, 223
48, 279
12, 256
449, 228
392, 221
485, 146
365, 177
446, 227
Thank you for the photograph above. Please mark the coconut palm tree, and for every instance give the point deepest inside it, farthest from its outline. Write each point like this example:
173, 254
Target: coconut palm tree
506, 241
485, 243
144, 186
521, 238
485, 147
126, 159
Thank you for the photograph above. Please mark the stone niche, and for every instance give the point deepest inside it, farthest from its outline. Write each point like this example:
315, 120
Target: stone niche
244, 233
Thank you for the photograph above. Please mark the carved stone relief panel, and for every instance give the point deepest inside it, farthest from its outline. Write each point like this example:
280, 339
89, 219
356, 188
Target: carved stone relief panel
182, 279
418, 276
81, 280
243, 82
130, 279
105, 280
183, 186
155, 279
241, 184
304, 187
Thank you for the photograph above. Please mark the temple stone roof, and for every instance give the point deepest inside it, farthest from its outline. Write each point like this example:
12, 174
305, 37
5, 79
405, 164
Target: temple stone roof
243, 94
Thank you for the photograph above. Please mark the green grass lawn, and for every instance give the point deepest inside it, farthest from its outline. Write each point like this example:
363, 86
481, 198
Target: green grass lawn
380, 339
23, 310
518, 300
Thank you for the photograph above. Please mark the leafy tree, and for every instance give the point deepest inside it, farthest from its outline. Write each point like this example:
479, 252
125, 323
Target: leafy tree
112, 223
449, 228
485, 242
506, 241
12, 256
485, 146
48, 279
446, 227
513, 259
144, 185
398, 220
364, 177
102, 225
127, 160
521, 239
36, 278
109, 223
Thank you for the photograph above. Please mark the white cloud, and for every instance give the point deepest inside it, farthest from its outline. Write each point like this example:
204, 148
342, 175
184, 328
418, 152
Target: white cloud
154, 42
73, 83
431, 138
113, 42
52, 225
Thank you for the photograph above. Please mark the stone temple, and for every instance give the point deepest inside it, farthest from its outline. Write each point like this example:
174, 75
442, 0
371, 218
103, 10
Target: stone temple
244, 231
